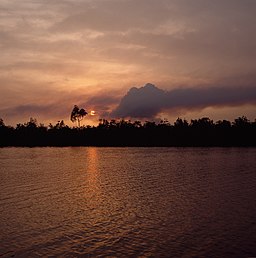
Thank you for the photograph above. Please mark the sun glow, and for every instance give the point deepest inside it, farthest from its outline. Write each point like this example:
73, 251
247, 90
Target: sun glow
92, 113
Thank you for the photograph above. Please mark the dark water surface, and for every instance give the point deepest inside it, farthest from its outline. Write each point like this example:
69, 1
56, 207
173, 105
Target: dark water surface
128, 202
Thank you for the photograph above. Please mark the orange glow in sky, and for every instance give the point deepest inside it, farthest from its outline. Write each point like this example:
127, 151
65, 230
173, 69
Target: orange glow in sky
90, 53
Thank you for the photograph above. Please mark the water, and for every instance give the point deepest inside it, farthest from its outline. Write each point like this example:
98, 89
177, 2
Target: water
128, 202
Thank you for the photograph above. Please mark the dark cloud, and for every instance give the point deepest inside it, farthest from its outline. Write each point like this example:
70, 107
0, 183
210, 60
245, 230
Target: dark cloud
102, 103
148, 101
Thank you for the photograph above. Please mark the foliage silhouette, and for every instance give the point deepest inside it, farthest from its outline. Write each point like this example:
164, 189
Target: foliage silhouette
199, 132
77, 114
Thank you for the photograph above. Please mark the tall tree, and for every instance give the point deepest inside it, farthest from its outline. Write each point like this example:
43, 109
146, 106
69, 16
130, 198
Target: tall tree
77, 114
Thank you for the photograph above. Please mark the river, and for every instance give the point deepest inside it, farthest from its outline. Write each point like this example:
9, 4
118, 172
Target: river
127, 202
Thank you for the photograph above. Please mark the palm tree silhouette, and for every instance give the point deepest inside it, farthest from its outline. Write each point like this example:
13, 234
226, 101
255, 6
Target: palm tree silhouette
77, 114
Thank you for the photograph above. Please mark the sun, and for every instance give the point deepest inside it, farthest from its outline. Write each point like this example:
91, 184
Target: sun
92, 113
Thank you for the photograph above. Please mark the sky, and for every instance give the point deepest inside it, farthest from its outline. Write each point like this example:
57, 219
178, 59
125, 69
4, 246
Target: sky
200, 55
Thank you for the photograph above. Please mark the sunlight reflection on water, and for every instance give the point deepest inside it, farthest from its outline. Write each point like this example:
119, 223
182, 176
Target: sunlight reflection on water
121, 202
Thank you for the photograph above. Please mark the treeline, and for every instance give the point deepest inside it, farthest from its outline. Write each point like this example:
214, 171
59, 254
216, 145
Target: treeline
198, 132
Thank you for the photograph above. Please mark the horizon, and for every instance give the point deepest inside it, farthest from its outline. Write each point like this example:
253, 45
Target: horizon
83, 123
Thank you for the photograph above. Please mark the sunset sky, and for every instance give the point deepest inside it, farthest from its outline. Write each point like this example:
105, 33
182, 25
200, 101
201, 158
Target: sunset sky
201, 54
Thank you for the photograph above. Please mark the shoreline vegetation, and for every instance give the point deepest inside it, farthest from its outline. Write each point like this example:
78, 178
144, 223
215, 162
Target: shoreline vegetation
202, 132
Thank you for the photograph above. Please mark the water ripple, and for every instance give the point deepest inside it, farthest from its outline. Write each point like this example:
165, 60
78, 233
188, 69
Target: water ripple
127, 202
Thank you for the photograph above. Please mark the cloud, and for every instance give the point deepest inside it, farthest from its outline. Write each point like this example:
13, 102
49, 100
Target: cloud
59, 108
144, 102
148, 101
114, 16
169, 37
90, 45
102, 103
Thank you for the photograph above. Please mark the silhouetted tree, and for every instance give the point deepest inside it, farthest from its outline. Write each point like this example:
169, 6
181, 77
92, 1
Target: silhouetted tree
179, 123
77, 114
32, 123
1, 122
202, 123
223, 124
60, 125
149, 124
137, 124
200, 132
241, 122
